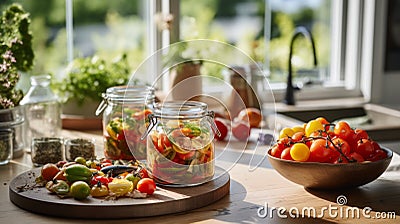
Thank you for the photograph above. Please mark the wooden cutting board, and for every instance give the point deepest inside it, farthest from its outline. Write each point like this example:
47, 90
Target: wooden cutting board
165, 200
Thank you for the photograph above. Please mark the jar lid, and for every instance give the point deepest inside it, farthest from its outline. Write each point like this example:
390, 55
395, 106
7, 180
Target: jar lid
129, 93
180, 110
126, 94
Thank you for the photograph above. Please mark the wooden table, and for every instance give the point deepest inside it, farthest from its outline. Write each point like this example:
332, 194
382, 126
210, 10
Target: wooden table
250, 192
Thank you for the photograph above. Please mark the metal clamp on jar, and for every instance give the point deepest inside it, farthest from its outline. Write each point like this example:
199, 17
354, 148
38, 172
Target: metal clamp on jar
180, 148
125, 120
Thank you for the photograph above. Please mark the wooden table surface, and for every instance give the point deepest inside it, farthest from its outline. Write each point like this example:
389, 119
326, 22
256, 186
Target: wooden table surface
250, 192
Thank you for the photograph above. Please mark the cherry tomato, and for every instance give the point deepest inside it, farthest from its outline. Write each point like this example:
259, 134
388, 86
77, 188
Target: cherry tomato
378, 155
298, 136
49, 171
319, 151
283, 143
340, 160
313, 126
365, 148
102, 179
276, 151
286, 154
146, 185
342, 145
241, 130
222, 128
286, 132
376, 145
143, 173
355, 156
343, 130
298, 129
300, 152
186, 156
360, 134
324, 122
318, 134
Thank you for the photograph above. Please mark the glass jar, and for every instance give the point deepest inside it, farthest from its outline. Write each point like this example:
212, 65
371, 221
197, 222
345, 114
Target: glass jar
46, 150
180, 148
6, 146
79, 147
13, 119
42, 110
125, 120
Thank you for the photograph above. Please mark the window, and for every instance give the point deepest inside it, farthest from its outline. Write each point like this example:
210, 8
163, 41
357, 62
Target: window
264, 28
261, 28
80, 28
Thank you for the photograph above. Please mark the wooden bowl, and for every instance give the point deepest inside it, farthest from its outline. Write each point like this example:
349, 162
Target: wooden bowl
330, 176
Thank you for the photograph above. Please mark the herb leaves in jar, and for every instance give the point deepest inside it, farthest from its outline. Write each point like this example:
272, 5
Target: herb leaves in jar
79, 147
46, 150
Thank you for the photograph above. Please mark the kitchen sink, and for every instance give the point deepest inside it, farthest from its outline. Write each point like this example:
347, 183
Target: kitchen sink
381, 123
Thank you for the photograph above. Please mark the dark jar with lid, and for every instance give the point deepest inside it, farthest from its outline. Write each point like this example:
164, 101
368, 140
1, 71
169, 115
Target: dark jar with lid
125, 120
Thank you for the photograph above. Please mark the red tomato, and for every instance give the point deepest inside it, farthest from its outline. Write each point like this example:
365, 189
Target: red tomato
146, 185
298, 136
342, 145
376, 145
222, 127
319, 151
286, 154
378, 155
276, 151
103, 180
365, 148
324, 122
49, 171
283, 143
355, 156
318, 134
143, 173
241, 131
361, 134
343, 130
340, 160
186, 156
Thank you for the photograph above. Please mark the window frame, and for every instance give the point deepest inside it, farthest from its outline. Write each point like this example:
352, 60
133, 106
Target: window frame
345, 58
349, 29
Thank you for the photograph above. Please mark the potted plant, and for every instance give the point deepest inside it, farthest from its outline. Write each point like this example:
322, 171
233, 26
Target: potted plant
184, 60
85, 81
16, 56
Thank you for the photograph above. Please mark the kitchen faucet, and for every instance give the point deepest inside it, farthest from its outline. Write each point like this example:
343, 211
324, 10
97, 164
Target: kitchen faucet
289, 96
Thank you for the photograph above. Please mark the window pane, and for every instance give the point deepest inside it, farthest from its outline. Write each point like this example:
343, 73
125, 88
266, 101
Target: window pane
242, 23
48, 30
285, 16
104, 28
109, 29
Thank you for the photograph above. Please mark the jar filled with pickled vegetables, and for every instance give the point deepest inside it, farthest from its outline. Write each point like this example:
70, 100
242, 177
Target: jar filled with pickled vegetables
180, 149
125, 120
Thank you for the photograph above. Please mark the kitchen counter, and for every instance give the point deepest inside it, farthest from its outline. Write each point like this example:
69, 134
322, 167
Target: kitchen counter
250, 192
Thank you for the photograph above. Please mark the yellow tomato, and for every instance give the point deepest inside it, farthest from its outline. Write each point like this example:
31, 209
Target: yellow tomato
300, 152
286, 132
298, 129
313, 126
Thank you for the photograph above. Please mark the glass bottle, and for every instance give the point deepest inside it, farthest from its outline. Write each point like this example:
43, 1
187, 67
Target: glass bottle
180, 148
125, 120
42, 110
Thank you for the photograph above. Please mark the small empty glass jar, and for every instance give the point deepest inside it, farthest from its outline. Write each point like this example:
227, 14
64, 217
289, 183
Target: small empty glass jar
79, 147
180, 148
6, 146
46, 150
